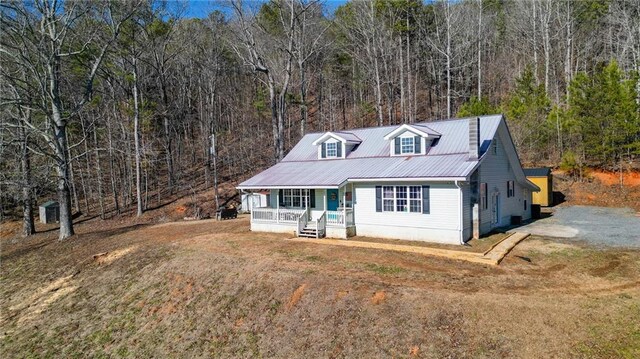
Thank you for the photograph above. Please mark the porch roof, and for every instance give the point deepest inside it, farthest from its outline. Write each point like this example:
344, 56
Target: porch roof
334, 173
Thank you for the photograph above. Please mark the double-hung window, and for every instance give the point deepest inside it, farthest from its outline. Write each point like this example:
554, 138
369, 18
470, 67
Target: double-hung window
402, 199
388, 198
406, 145
415, 199
297, 198
510, 189
332, 149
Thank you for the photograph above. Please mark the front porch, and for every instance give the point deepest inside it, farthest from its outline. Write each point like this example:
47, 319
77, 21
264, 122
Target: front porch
308, 212
304, 222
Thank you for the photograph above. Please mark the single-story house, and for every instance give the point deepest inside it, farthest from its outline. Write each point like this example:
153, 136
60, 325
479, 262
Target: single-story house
542, 178
445, 181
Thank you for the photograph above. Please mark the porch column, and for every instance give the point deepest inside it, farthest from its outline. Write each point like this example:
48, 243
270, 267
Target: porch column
344, 206
278, 207
324, 200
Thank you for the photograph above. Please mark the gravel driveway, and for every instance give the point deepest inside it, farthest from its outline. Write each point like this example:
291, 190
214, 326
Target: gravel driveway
618, 227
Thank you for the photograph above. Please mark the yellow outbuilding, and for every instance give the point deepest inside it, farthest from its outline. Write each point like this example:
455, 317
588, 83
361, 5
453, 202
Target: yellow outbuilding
542, 178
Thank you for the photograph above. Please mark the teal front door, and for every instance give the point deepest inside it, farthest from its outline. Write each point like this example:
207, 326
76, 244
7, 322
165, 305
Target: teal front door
332, 200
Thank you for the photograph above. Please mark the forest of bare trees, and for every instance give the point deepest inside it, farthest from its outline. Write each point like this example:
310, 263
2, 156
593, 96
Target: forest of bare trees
111, 106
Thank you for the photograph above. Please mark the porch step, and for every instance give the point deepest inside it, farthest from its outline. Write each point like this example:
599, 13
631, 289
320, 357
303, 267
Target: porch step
308, 233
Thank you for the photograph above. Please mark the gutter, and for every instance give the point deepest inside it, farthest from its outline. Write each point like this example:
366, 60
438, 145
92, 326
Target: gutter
461, 204
407, 179
286, 187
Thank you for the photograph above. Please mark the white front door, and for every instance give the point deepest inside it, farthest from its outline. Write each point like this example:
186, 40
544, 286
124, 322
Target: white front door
495, 208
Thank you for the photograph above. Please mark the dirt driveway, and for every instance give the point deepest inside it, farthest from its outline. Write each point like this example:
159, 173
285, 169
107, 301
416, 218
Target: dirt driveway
619, 227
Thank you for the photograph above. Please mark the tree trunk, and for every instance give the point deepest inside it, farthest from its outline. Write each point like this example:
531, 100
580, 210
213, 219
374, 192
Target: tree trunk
480, 34
448, 62
62, 170
136, 136
61, 150
304, 113
402, 99
98, 174
535, 42
28, 227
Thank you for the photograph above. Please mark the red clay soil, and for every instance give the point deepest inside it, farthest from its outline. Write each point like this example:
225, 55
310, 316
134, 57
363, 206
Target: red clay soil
600, 188
630, 179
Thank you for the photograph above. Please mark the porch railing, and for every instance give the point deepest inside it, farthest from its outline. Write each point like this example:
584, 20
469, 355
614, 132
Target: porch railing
264, 214
321, 225
340, 218
302, 220
279, 215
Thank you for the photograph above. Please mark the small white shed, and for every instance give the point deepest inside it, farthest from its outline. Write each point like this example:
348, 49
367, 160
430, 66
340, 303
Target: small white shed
49, 212
251, 200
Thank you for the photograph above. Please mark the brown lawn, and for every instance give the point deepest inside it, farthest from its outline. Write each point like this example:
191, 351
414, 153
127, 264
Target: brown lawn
202, 289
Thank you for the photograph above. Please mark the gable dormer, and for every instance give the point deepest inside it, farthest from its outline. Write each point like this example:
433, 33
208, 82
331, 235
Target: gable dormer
411, 140
333, 145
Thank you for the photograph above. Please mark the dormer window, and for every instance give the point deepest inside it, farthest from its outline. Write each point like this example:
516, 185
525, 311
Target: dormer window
336, 144
409, 140
332, 149
407, 145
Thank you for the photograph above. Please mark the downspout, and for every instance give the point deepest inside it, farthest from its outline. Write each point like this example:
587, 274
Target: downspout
461, 215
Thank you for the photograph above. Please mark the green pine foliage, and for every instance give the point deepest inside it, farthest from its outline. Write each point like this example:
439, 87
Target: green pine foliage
604, 112
527, 108
598, 124
477, 107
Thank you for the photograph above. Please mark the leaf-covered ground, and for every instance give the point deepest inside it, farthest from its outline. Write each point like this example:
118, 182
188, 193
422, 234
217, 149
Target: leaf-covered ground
202, 289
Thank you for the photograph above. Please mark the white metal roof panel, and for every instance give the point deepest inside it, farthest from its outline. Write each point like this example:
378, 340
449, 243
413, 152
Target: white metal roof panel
454, 139
447, 157
336, 172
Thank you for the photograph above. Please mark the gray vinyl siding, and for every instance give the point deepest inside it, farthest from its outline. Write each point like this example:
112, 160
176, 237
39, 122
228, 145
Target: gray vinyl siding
496, 170
467, 210
442, 224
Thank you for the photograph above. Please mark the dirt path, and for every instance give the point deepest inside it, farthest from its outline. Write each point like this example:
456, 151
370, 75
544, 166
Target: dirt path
493, 256
496, 254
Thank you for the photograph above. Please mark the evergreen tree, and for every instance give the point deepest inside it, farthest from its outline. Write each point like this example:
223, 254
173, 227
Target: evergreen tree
476, 107
527, 108
604, 112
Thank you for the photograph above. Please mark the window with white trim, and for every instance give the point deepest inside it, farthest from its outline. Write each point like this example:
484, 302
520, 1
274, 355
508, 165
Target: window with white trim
510, 189
406, 145
494, 147
388, 198
402, 199
295, 198
332, 149
415, 199
484, 199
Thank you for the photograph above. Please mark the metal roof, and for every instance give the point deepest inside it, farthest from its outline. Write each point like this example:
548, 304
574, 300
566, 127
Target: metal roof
537, 172
335, 172
350, 137
427, 129
50, 204
448, 157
